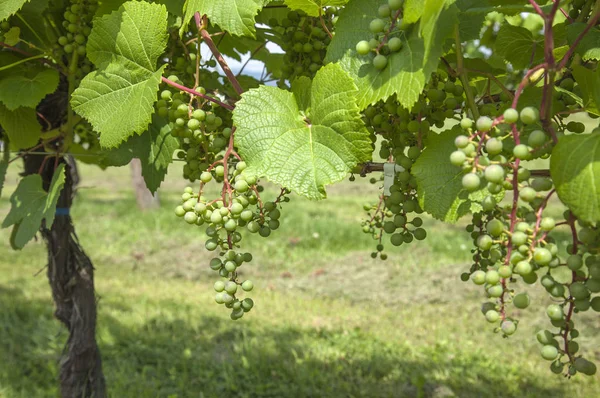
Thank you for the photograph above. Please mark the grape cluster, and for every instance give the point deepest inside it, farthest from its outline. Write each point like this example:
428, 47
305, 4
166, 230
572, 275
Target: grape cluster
305, 42
389, 32
239, 207
514, 242
203, 131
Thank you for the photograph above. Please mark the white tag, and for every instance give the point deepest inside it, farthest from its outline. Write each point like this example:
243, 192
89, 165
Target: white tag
389, 174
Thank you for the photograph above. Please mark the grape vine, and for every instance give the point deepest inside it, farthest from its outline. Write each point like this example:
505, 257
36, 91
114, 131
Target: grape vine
453, 109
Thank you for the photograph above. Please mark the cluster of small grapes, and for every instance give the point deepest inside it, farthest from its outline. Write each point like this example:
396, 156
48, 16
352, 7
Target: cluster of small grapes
305, 42
388, 30
201, 130
77, 24
239, 207
4, 27
512, 242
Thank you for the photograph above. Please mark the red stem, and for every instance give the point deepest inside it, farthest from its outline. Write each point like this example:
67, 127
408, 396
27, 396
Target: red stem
201, 24
196, 93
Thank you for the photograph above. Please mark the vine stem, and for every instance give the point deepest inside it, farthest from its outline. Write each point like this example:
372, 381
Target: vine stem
538, 221
565, 335
524, 83
196, 93
387, 34
201, 23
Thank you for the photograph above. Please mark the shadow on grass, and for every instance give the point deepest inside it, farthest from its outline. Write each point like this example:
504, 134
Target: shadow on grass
175, 355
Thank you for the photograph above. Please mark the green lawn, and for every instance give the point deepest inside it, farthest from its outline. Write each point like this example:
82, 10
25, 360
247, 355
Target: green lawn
328, 322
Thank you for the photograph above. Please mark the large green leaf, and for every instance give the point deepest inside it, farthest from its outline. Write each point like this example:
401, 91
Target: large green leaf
413, 10
30, 204
575, 170
516, 44
125, 45
407, 71
27, 87
234, 16
303, 150
21, 126
10, 7
440, 189
589, 46
313, 7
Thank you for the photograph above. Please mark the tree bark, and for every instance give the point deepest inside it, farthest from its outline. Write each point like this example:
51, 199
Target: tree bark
71, 277
145, 199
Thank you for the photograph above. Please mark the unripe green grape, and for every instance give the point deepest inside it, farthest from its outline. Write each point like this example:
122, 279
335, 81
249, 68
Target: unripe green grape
511, 115
579, 291
380, 62
527, 194
241, 186
549, 352
495, 291
536, 138
253, 226
205, 177
519, 238
395, 4
247, 215
395, 44
363, 47
384, 11
505, 271
219, 171
523, 268
492, 277
492, 316
377, 25
484, 242
521, 300
247, 304
457, 158
190, 217
211, 245
471, 182
389, 227
494, 173
574, 262
247, 286
484, 124
547, 224
493, 146
529, 115
595, 304
545, 337
495, 227
230, 225
219, 286
420, 234
593, 285
522, 152
465, 123
180, 211
478, 277
226, 297
555, 312
264, 231
557, 290
215, 264
231, 287
508, 327
216, 217
542, 256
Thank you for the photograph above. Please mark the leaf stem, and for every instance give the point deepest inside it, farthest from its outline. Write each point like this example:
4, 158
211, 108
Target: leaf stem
196, 93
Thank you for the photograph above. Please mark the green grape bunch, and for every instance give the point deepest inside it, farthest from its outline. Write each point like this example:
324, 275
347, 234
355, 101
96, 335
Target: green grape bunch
389, 32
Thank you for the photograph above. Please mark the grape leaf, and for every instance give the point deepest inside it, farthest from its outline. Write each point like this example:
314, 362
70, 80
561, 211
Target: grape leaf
10, 7
4, 166
516, 44
303, 151
407, 71
27, 87
440, 189
413, 10
575, 167
30, 204
234, 16
21, 126
589, 46
313, 7
589, 83
118, 98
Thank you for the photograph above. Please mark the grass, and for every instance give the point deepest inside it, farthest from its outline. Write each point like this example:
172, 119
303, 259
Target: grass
328, 322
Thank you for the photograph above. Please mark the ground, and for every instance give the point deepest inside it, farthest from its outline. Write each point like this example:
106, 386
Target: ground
328, 322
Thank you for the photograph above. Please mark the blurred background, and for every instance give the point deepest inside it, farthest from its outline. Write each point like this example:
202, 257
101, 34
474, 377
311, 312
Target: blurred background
329, 321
